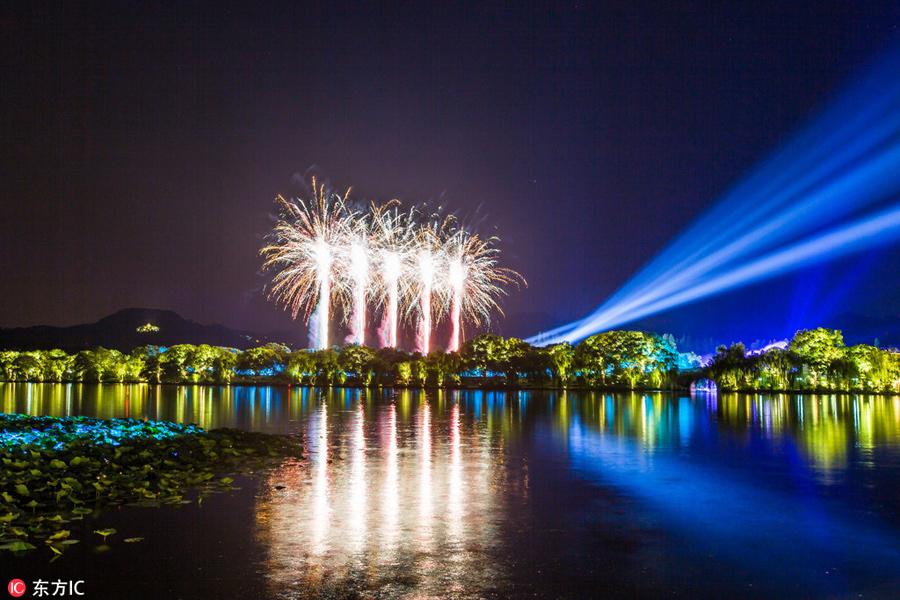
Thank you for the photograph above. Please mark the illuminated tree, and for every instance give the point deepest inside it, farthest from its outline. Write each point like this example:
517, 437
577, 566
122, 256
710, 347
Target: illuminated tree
663, 355
27, 366
87, 367
326, 365
729, 367
403, 372
386, 360
689, 361
597, 355
224, 365
301, 367
113, 363
199, 362
776, 369
626, 358
818, 349
358, 361
174, 363
149, 356
417, 370
483, 353
259, 361
132, 370
7, 364
516, 358
54, 365
562, 357
436, 367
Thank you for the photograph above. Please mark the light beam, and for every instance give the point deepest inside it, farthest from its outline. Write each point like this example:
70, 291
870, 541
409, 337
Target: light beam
830, 191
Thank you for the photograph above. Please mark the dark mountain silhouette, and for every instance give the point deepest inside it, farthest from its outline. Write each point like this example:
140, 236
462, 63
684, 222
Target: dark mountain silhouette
120, 332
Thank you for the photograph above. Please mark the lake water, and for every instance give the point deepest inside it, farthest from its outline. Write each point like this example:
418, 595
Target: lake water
469, 494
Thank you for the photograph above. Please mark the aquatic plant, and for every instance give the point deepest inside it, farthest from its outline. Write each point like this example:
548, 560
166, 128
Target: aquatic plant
58, 470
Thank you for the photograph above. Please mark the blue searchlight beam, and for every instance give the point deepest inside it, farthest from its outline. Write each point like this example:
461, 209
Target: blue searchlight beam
832, 190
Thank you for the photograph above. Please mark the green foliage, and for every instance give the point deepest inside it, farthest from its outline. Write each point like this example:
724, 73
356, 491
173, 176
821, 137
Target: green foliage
776, 369
730, 366
403, 372
54, 365
28, 366
257, 360
151, 370
627, 358
689, 361
440, 365
326, 365
224, 365
814, 360
482, 353
174, 363
99, 366
359, 362
562, 359
105, 533
417, 370
7, 365
301, 368
514, 359
818, 349
57, 470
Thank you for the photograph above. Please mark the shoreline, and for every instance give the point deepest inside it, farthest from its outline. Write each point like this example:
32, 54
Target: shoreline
472, 388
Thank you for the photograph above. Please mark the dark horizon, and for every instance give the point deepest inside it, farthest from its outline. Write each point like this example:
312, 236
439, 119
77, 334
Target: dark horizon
144, 145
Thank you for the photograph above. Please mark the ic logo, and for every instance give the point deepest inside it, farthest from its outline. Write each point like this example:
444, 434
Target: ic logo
16, 588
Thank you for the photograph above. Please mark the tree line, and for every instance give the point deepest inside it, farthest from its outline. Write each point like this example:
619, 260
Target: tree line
626, 359
813, 360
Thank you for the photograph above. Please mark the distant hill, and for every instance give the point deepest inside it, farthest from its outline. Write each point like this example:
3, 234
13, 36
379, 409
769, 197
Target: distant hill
120, 332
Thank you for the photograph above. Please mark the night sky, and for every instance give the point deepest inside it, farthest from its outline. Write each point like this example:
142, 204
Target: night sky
142, 144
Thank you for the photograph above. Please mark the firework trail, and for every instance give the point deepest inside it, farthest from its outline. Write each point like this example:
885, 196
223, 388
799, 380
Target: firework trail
306, 239
429, 276
474, 281
425, 263
393, 232
357, 269
457, 278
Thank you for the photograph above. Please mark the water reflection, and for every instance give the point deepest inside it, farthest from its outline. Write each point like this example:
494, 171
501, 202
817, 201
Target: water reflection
426, 508
387, 502
422, 486
261, 409
829, 430
404, 492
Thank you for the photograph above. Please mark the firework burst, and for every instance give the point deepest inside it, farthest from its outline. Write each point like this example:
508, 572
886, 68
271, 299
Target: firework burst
408, 266
307, 238
427, 276
473, 281
393, 232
